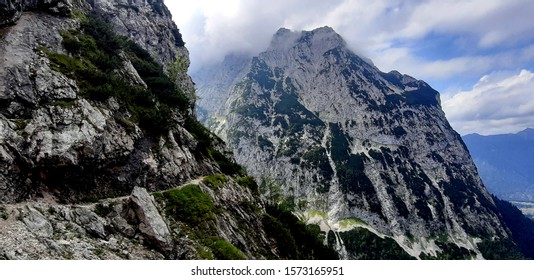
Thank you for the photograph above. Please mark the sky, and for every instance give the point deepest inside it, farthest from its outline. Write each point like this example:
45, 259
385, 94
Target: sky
479, 54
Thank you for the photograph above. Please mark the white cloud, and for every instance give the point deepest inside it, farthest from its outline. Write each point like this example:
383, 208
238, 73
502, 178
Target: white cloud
499, 103
484, 35
213, 28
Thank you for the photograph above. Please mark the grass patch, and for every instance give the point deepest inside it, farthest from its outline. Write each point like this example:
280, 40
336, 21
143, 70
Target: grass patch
223, 250
64, 103
189, 204
215, 181
350, 223
361, 244
295, 239
205, 253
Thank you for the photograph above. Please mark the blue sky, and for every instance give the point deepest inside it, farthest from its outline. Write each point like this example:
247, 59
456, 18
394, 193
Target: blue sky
478, 53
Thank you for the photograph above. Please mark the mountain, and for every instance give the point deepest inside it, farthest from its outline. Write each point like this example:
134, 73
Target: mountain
505, 163
366, 155
214, 82
101, 156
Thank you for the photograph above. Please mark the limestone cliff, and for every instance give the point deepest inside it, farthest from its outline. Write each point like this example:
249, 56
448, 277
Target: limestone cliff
350, 147
58, 135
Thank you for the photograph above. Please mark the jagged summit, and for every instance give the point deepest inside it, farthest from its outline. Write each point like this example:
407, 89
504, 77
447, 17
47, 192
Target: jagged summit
323, 38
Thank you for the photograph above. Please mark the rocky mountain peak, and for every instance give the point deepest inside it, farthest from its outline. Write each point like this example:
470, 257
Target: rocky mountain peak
348, 147
289, 45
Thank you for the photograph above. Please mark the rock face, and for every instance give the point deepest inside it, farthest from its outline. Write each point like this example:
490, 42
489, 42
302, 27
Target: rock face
11, 10
55, 136
231, 224
349, 146
98, 137
215, 81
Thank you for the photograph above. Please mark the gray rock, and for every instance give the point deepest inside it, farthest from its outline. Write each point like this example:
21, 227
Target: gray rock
44, 121
11, 10
37, 223
91, 222
151, 224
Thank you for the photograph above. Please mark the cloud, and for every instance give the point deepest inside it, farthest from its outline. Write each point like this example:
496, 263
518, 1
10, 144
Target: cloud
499, 103
372, 28
448, 43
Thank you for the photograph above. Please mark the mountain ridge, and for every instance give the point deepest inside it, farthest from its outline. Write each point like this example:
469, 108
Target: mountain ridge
504, 163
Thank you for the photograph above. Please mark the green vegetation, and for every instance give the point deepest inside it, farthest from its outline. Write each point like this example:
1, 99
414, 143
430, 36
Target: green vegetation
51, 210
522, 228
270, 190
364, 245
20, 124
103, 210
94, 57
93, 60
499, 250
215, 181
317, 158
64, 103
350, 223
295, 239
450, 251
205, 147
3, 213
223, 250
205, 253
188, 204
226, 165
350, 169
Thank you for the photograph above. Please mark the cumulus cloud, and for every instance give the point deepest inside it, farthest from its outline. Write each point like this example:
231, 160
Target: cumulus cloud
214, 28
448, 43
499, 103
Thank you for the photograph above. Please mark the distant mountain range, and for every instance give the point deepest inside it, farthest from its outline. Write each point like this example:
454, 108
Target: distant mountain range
505, 163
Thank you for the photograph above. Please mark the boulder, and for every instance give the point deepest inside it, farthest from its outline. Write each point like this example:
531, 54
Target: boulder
151, 224
91, 222
37, 223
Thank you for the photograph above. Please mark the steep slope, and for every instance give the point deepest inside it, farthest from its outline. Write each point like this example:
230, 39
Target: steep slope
214, 83
351, 148
101, 156
213, 217
505, 163
88, 113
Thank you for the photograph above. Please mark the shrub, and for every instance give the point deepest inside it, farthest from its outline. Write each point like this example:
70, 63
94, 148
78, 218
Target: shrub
103, 210
285, 228
223, 250
94, 59
363, 244
3, 213
215, 181
189, 204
